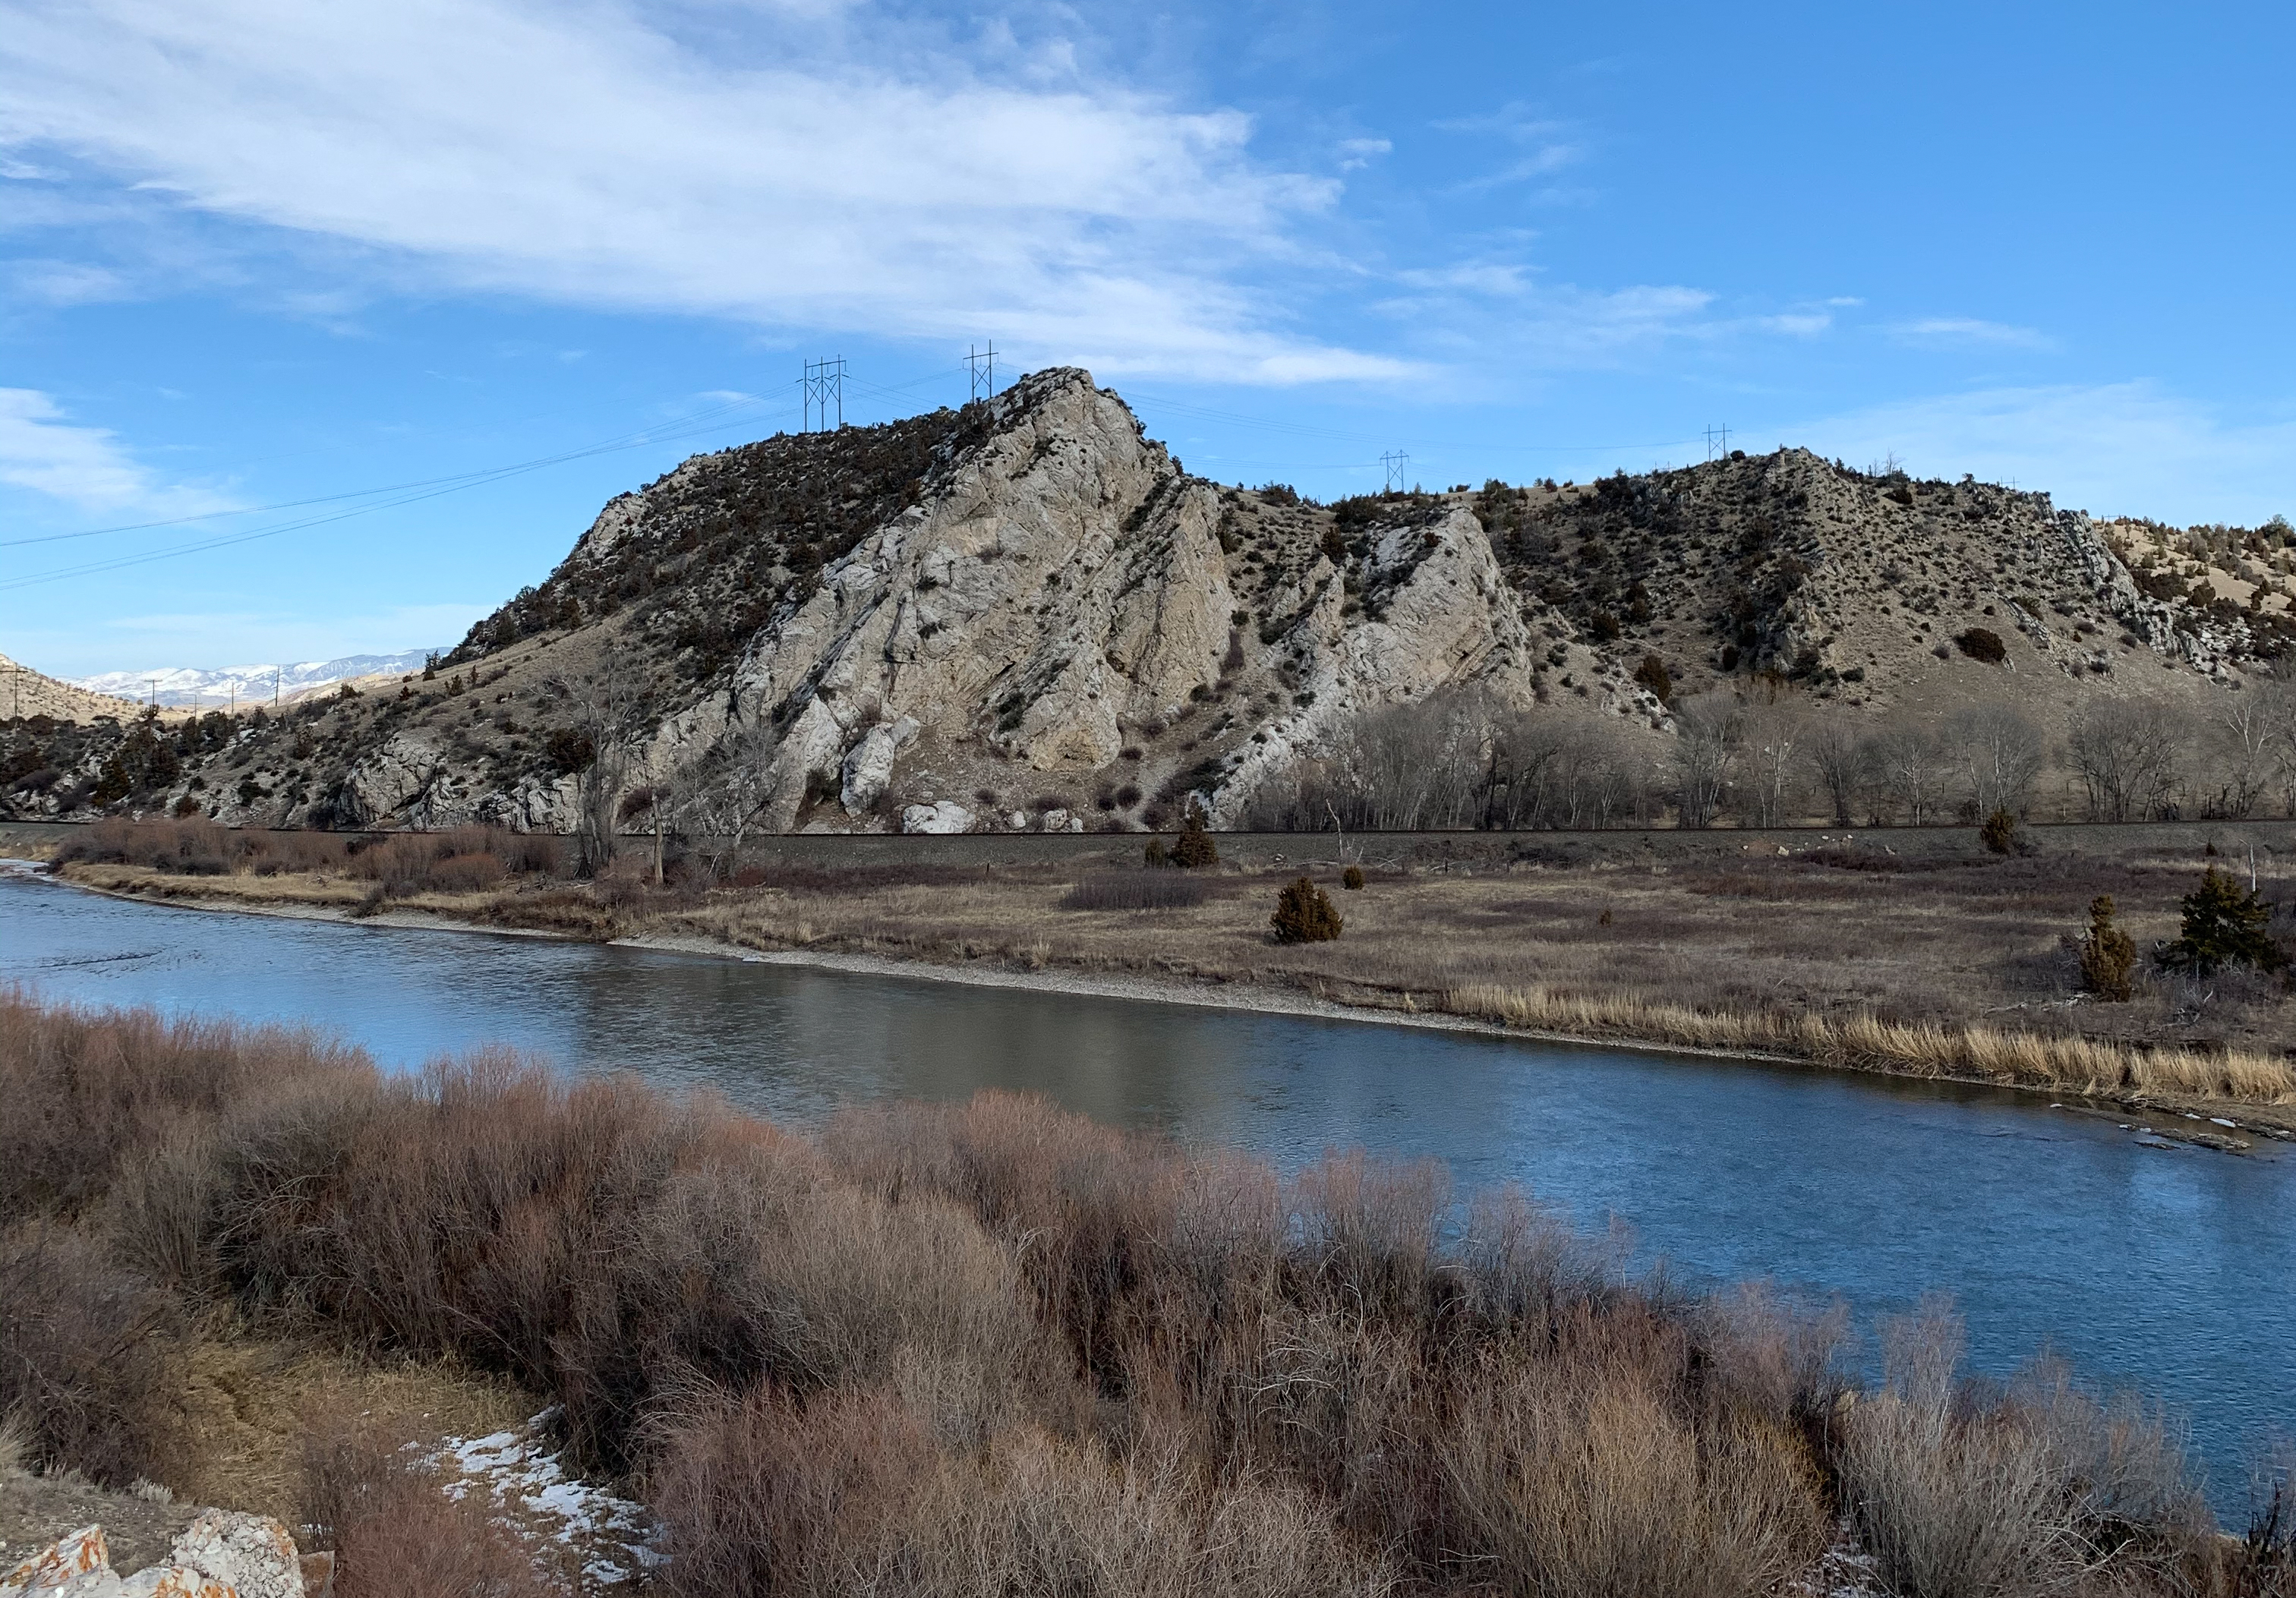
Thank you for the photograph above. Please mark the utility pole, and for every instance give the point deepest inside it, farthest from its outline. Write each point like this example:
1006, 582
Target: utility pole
1394, 463
825, 390
1717, 442
982, 364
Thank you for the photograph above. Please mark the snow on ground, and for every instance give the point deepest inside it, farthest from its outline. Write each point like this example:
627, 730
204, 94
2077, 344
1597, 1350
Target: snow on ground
605, 1543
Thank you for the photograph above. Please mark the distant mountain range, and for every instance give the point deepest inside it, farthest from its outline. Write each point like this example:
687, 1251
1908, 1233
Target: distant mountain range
183, 685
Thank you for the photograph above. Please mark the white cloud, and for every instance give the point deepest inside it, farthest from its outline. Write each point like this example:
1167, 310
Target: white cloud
62, 282
87, 467
2111, 449
582, 153
1798, 325
1970, 330
1355, 153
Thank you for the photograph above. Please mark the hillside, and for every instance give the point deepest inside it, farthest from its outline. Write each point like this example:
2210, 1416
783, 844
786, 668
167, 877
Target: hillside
1026, 614
25, 693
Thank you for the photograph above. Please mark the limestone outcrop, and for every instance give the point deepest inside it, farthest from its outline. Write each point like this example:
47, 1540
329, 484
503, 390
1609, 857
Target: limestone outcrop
1026, 609
221, 1554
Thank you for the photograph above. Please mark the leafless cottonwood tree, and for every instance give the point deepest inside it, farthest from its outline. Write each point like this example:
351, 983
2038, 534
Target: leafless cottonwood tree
2126, 754
1773, 728
605, 707
1403, 767
1708, 734
1842, 758
1997, 754
2279, 701
744, 787
1910, 763
2246, 730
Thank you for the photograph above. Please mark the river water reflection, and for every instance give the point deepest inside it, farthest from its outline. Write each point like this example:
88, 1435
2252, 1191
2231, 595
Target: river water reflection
2174, 1271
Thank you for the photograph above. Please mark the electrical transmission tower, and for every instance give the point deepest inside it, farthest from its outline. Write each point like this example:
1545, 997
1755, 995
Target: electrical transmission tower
982, 364
825, 391
1717, 442
1394, 463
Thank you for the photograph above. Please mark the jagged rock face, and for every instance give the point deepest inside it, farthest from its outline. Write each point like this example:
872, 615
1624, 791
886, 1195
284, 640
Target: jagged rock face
1066, 583
936, 616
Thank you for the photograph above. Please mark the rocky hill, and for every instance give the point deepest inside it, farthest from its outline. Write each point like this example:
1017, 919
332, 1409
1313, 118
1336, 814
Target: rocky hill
25, 693
1026, 613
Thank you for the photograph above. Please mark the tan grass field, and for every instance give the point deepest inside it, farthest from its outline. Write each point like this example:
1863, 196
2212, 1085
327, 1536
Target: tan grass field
1948, 965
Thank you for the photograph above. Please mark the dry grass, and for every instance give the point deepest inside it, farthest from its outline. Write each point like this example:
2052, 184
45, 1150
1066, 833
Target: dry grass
394, 1528
994, 1348
1953, 962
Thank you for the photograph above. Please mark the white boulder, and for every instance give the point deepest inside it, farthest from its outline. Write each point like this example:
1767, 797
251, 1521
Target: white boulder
945, 816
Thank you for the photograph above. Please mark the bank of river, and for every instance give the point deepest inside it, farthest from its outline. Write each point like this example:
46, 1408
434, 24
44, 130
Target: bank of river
2170, 1269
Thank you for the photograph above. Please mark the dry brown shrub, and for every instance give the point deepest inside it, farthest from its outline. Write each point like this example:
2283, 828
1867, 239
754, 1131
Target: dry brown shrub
2035, 1491
1576, 1478
84, 1089
1039, 1514
90, 1362
762, 1498
394, 1531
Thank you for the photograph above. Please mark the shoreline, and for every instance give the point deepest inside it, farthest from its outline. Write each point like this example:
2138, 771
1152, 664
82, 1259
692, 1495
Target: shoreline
1258, 999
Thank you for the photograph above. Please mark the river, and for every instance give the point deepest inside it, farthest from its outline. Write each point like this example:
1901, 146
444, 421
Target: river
2172, 1271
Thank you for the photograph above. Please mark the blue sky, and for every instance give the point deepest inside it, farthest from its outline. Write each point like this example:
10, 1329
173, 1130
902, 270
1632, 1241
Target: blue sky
253, 254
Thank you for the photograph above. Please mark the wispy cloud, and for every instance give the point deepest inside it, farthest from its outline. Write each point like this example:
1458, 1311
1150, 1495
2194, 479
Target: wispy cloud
1543, 147
2113, 449
62, 282
43, 450
586, 155
1356, 153
1970, 330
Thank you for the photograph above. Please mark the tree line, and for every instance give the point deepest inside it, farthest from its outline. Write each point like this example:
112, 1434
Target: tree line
1766, 757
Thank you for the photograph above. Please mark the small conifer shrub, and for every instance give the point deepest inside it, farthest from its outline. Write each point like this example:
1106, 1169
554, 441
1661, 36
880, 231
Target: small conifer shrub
2108, 955
1983, 643
1652, 675
1153, 855
1194, 846
1352, 877
2224, 924
1999, 833
1304, 915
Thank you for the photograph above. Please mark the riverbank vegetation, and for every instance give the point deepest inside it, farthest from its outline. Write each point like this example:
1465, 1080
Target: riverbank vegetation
1922, 954
994, 1348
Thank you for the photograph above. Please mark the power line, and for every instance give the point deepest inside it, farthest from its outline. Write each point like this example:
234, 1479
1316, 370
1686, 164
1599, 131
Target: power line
453, 486
1393, 463
825, 387
983, 365
625, 440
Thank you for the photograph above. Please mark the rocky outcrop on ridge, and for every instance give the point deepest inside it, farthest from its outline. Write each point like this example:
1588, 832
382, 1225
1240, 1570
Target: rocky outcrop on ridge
1027, 609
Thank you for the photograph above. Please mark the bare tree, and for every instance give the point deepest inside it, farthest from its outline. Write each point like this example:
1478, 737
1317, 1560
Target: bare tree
1840, 756
2247, 727
1404, 767
2278, 699
1706, 743
2126, 754
1911, 764
604, 711
1997, 754
1774, 726
1526, 753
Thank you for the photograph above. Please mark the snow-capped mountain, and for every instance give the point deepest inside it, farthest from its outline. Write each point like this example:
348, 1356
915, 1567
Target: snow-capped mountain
221, 686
